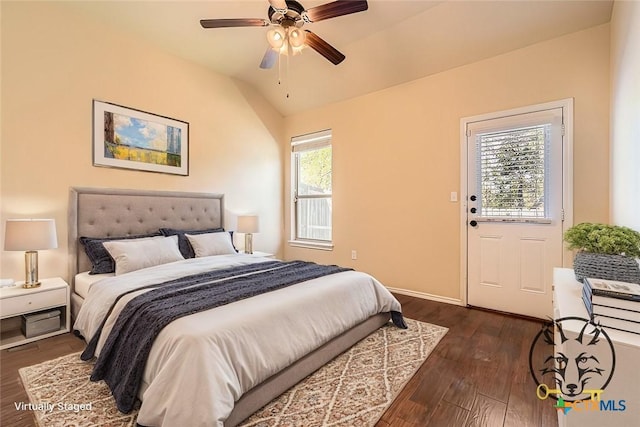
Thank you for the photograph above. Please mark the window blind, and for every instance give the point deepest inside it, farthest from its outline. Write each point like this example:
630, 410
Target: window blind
311, 141
514, 171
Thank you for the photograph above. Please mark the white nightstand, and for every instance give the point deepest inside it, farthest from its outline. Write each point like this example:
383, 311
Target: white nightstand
16, 301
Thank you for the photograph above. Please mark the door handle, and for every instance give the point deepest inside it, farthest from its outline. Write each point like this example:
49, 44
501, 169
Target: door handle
473, 223
473, 210
473, 198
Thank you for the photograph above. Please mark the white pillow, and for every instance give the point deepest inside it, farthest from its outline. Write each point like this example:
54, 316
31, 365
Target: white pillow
211, 244
143, 253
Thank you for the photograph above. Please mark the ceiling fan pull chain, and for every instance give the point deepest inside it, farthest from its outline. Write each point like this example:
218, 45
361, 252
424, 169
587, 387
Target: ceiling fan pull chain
279, 68
287, 75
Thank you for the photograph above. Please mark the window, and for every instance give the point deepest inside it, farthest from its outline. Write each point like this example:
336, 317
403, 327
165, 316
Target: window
311, 187
513, 166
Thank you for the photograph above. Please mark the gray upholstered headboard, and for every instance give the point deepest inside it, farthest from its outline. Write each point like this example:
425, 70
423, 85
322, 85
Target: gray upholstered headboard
107, 212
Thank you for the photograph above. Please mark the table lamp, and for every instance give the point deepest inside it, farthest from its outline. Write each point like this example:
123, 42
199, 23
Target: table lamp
248, 224
30, 235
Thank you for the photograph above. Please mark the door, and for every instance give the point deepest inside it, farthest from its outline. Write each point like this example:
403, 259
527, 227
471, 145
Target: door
514, 211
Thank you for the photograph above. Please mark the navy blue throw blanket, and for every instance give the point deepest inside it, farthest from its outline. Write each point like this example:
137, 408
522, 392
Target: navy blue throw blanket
123, 358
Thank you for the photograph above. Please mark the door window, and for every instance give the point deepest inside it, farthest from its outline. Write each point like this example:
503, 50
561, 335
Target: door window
512, 172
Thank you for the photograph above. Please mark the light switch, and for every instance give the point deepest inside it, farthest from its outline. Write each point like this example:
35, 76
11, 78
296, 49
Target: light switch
454, 196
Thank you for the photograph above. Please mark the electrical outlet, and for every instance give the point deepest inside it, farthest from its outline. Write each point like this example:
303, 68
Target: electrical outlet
354, 254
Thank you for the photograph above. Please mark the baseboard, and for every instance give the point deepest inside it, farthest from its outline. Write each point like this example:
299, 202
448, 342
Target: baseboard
424, 295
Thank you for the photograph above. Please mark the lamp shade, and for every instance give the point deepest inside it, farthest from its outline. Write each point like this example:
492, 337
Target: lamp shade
30, 234
248, 224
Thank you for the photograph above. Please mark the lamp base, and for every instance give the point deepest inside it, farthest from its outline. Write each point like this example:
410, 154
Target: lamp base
248, 243
31, 285
31, 270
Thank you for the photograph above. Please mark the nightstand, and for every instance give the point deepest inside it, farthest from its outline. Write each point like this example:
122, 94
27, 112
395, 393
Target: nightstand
15, 301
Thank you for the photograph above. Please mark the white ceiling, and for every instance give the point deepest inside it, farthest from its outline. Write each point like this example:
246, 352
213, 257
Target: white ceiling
392, 42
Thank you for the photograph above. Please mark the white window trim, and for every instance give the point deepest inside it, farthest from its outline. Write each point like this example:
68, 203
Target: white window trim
299, 143
311, 244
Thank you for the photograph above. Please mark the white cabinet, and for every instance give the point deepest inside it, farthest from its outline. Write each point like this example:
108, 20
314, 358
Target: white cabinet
16, 301
625, 383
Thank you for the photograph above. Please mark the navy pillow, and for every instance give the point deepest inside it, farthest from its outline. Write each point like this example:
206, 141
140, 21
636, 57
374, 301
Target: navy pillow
101, 261
183, 243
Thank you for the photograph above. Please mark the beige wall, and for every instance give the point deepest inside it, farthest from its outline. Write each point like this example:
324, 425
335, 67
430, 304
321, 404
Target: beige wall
625, 114
55, 62
396, 151
397, 156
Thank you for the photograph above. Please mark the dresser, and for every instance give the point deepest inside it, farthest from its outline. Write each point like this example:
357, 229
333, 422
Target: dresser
625, 383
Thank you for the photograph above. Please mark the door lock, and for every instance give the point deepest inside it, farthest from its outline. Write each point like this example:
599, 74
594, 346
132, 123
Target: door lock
473, 223
473, 198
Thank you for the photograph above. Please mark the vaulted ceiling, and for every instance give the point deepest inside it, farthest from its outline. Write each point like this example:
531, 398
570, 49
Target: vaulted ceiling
391, 43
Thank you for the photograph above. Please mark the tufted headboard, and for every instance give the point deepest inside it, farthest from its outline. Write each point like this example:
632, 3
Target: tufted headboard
105, 212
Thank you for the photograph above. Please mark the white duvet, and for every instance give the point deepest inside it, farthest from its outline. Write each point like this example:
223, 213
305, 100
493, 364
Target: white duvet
201, 364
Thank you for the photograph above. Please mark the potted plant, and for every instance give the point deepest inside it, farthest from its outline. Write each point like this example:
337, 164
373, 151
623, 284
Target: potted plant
605, 251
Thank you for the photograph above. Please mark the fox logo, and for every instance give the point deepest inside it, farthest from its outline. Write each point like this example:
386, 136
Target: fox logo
572, 365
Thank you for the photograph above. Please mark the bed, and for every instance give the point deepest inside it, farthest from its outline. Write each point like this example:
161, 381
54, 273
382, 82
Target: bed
182, 354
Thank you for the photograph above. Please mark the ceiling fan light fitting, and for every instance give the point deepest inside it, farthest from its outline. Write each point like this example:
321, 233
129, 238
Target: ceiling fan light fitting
284, 49
296, 38
276, 37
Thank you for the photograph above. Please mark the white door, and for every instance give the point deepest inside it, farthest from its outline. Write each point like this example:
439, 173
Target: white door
514, 211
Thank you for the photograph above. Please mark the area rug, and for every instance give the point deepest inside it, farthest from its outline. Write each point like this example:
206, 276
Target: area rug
353, 389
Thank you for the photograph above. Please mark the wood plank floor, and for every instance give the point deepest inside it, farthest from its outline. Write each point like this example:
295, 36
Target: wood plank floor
478, 374
12, 359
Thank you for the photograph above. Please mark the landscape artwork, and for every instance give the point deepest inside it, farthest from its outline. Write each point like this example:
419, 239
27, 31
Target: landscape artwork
134, 139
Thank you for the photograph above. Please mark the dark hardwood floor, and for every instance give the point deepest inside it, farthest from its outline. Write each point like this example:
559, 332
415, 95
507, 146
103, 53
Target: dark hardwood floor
478, 374
11, 360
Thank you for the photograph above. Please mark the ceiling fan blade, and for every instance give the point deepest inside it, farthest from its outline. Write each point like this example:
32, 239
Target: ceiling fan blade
335, 9
324, 48
269, 59
278, 4
225, 23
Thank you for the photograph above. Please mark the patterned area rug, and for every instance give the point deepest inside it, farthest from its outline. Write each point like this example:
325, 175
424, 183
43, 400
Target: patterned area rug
353, 389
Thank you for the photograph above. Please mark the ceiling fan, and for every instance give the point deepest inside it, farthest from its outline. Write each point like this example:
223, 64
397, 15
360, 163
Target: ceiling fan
286, 35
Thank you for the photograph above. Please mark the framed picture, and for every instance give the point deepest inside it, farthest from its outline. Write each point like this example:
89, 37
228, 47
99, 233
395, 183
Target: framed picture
133, 139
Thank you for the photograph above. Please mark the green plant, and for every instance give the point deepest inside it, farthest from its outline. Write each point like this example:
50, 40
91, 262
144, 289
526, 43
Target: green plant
603, 239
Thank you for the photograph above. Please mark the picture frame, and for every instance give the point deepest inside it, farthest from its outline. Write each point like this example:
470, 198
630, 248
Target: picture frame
128, 138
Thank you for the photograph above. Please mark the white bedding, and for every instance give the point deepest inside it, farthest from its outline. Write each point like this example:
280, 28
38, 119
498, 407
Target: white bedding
201, 364
84, 281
